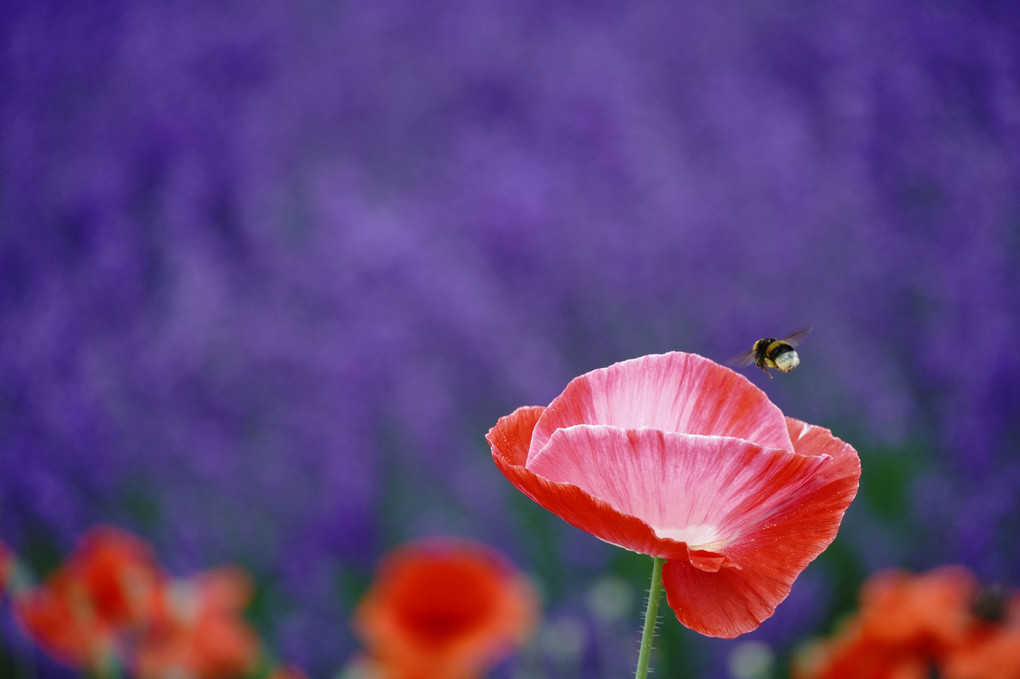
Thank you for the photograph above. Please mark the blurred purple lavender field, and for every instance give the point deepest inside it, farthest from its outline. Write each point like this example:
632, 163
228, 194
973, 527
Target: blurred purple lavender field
269, 271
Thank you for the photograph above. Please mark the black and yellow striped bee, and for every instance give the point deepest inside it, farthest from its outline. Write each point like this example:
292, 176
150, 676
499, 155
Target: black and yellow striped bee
769, 352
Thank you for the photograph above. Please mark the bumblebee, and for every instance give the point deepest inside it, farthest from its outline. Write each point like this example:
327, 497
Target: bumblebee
769, 352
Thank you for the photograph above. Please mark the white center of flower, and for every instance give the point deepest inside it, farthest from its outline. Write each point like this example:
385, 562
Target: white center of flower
701, 536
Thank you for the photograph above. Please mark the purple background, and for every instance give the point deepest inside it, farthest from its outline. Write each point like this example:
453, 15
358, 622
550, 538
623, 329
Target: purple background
269, 271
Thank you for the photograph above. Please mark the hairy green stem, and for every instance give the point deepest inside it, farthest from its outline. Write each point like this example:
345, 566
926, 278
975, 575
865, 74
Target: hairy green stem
651, 614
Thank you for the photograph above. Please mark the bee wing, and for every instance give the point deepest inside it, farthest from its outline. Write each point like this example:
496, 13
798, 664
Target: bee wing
742, 360
795, 339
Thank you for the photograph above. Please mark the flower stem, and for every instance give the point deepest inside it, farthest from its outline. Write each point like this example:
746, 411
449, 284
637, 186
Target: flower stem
651, 615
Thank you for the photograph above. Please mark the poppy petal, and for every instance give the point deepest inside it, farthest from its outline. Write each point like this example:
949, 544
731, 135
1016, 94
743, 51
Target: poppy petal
674, 392
685, 487
508, 440
511, 436
444, 608
779, 540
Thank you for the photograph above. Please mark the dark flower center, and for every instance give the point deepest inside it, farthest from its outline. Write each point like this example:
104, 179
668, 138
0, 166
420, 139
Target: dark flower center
449, 600
989, 603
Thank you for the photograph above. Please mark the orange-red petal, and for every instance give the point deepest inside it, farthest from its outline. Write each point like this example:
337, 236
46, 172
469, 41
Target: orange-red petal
444, 609
120, 574
992, 656
201, 633
60, 618
510, 437
927, 613
108, 586
853, 655
773, 548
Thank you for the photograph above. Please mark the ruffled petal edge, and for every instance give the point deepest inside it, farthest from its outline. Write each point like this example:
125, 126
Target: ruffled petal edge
509, 440
733, 601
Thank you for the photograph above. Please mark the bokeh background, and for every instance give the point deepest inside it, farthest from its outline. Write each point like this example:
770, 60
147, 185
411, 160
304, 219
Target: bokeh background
270, 270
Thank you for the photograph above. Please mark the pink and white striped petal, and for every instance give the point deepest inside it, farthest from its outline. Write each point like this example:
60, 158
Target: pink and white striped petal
774, 546
674, 392
699, 490
508, 440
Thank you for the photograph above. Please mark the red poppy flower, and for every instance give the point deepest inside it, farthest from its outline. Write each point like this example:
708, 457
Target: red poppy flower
910, 625
924, 614
110, 583
60, 617
444, 610
853, 655
201, 633
995, 656
680, 458
992, 648
120, 573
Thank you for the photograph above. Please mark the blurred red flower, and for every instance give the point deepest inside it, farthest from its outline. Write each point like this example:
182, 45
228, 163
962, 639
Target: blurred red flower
677, 457
444, 609
995, 655
110, 583
200, 633
910, 626
854, 655
991, 649
919, 614
110, 605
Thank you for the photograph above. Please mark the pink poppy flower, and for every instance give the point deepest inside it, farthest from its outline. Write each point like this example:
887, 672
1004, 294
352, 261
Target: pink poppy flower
677, 457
